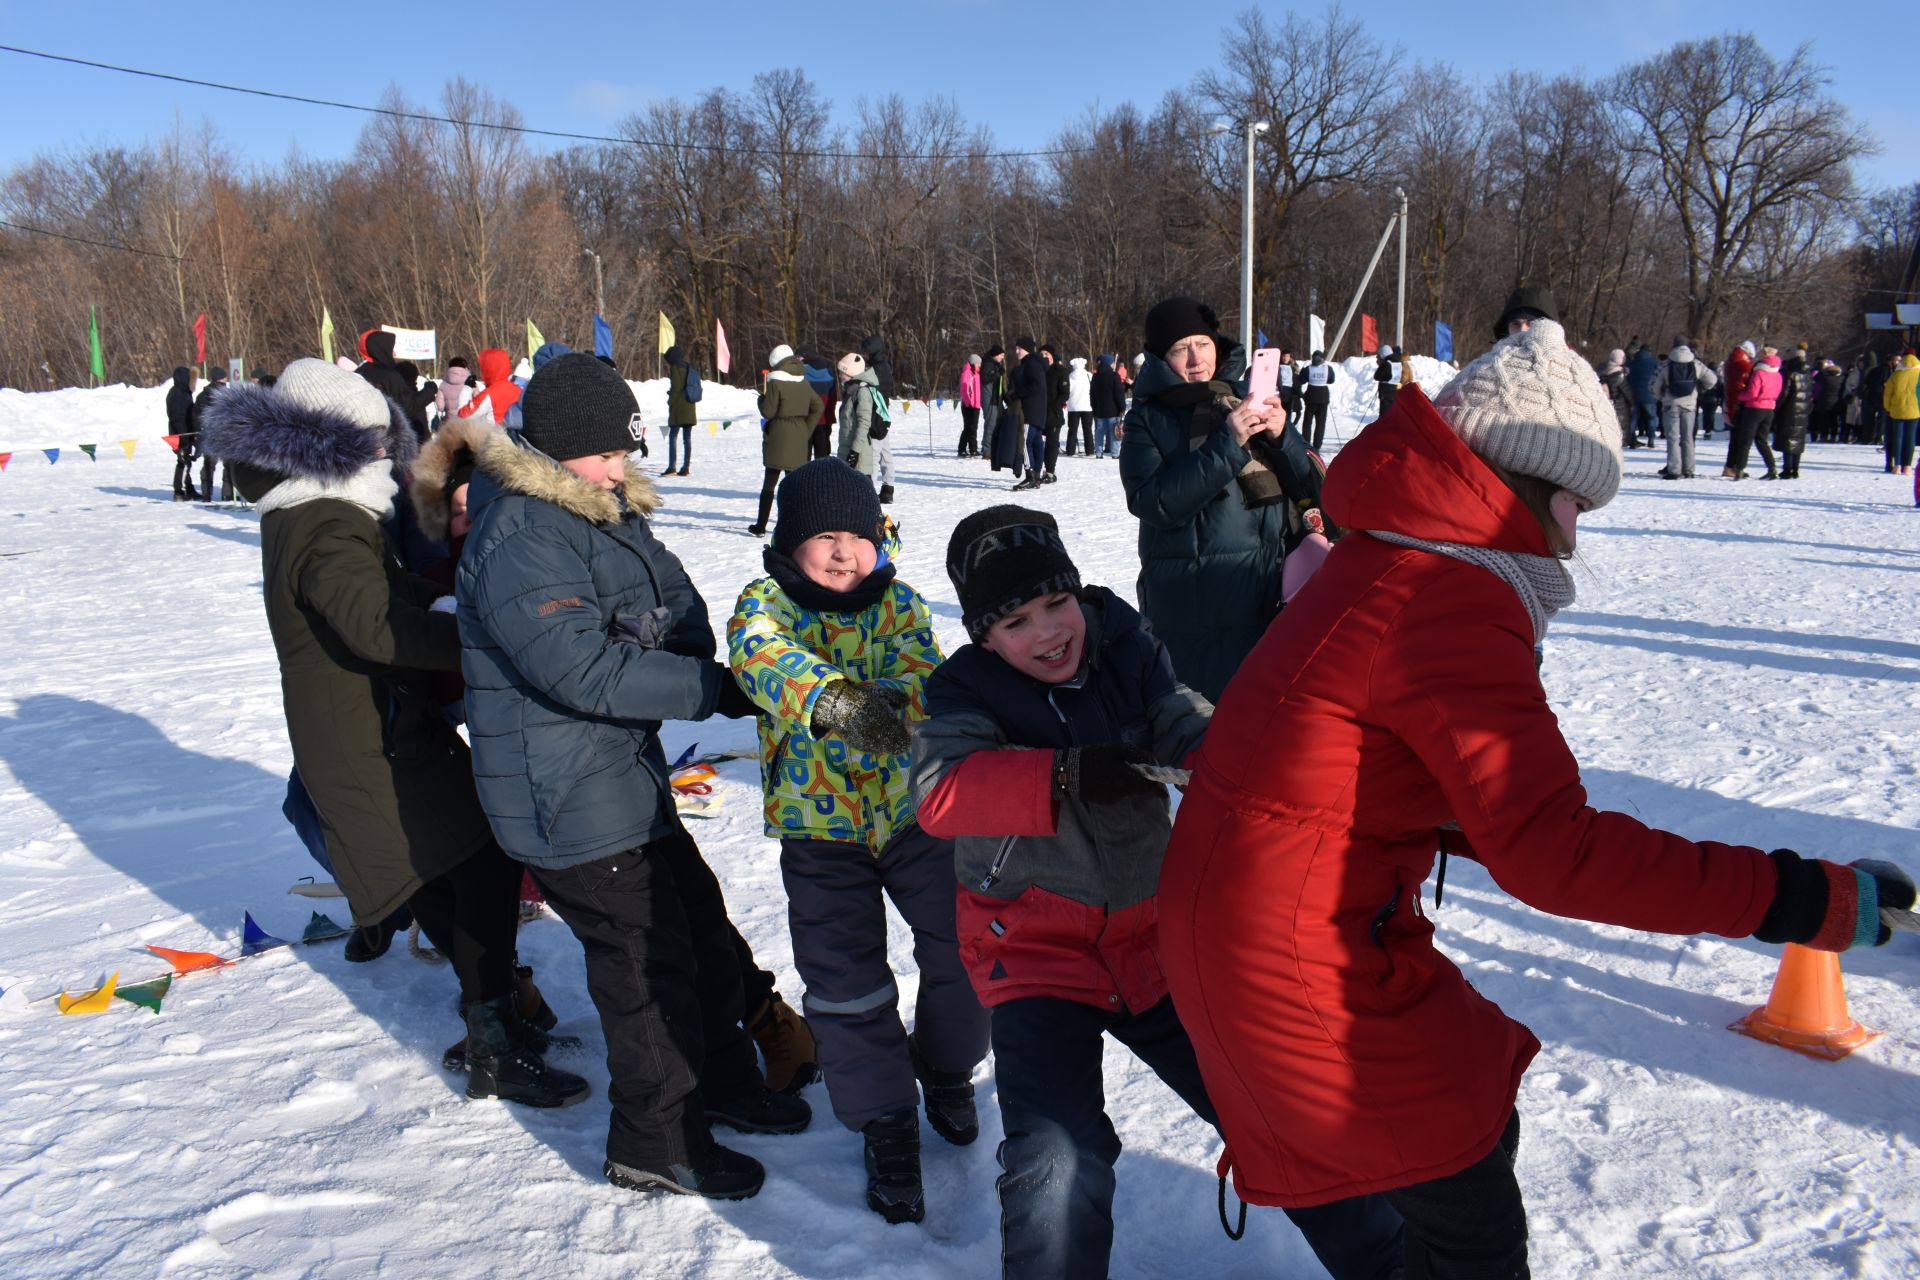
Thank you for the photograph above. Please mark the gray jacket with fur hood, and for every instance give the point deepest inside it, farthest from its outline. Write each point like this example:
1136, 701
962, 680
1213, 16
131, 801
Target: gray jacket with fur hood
581, 633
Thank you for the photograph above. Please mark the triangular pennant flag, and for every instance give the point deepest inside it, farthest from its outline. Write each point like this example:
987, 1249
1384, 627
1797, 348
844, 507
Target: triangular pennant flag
13, 1001
128, 446
321, 928
5, 458
173, 443
148, 994
535, 339
939, 402
53, 455
95, 1001
684, 757
254, 939
725, 423
713, 428
88, 450
190, 961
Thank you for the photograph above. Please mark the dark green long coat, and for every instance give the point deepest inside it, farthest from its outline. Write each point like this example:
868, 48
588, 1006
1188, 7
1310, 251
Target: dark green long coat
791, 407
390, 778
1209, 564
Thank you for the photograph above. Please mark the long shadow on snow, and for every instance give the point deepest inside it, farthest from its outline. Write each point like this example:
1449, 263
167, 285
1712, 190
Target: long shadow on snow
1693, 493
1755, 635
1843, 667
247, 535
210, 809
1756, 538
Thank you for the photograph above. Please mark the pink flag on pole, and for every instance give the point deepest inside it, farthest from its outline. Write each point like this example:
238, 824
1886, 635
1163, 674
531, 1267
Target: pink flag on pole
722, 358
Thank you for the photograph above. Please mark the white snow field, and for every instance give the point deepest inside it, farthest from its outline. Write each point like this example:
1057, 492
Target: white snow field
1742, 664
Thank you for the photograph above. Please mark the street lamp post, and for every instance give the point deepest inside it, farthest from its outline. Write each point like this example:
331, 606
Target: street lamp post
1249, 130
599, 285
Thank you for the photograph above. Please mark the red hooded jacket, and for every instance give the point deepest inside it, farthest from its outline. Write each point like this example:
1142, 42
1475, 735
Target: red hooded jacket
1397, 692
501, 393
1739, 365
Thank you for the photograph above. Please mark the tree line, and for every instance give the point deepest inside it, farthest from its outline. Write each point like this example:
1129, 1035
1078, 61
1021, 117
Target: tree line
1708, 190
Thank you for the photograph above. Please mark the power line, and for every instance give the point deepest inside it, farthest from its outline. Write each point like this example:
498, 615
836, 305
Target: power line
530, 131
136, 249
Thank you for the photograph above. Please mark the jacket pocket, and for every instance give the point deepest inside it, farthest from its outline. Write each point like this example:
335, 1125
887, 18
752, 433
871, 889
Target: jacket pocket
558, 752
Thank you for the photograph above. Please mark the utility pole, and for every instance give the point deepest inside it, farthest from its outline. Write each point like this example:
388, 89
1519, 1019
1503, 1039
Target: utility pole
600, 286
1249, 130
1400, 307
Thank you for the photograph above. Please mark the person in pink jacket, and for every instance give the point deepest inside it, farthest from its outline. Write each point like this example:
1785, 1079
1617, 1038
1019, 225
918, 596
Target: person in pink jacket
970, 408
1754, 423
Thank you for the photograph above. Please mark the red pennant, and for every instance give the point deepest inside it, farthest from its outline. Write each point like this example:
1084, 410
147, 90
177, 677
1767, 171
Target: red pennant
189, 961
173, 442
5, 458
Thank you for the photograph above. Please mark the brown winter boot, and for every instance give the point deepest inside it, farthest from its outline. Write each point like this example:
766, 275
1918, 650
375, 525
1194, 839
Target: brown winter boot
528, 1000
786, 1042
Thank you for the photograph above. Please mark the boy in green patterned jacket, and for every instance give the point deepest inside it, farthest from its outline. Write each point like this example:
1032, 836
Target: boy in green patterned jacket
836, 652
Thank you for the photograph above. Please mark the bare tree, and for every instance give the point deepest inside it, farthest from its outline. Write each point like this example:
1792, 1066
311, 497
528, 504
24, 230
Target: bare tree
1733, 136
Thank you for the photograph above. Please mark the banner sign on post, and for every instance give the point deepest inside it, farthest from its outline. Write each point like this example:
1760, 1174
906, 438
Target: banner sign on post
415, 344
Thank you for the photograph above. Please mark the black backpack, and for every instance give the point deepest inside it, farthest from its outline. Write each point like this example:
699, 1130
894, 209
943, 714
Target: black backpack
1681, 379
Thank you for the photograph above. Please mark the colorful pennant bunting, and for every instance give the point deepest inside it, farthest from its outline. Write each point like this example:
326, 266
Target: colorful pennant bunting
95, 1001
53, 455
128, 446
5, 458
189, 961
88, 450
321, 928
173, 442
254, 939
148, 994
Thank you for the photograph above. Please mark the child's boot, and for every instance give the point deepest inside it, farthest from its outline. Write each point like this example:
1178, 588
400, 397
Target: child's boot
499, 1067
893, 1166
786, 1042
949, 1098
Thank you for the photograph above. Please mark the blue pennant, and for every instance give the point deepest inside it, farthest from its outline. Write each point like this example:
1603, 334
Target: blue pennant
684, 757
254, 939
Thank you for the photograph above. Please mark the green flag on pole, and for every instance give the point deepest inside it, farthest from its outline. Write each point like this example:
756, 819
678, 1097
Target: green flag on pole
99, 363
326, 335
534, 339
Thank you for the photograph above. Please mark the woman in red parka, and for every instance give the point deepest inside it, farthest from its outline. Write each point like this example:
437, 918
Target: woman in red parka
1396, 697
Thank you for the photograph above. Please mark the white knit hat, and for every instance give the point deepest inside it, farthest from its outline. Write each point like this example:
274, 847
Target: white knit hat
779, 354
1533, 407
315, 384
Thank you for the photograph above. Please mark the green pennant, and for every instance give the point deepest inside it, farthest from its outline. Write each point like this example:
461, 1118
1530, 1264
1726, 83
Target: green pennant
148, 994
320, 928
96, 363
88, 450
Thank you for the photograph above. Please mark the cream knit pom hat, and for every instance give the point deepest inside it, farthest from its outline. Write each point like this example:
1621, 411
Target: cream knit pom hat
1535, 408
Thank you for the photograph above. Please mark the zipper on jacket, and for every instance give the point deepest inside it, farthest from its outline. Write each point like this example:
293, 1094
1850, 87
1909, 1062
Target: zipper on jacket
1381, 917
1440, 879
999, 864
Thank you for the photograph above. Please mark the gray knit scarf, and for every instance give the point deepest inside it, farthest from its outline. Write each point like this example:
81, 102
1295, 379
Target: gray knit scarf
1542, 582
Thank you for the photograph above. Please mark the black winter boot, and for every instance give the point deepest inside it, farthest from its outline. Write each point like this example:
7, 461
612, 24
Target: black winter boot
949, 1098
762, 1111
369, 942
497, 1067
721, 1174
893, 1166
530, 1028
886, 494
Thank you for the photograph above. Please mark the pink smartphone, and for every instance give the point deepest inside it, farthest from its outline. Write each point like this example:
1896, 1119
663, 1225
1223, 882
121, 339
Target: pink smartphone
1265, 382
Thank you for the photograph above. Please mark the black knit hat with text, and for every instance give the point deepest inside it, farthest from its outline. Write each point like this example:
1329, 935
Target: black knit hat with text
576, 407
1002, 557
825, 496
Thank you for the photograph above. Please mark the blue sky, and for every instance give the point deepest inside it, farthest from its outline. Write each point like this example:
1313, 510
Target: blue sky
1024, 69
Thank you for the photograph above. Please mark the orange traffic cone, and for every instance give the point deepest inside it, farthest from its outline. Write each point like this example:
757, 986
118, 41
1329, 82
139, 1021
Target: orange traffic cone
1807, 1011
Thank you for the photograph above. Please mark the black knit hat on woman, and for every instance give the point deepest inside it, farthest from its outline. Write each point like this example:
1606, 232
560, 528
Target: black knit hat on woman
1175, 318
576, 407
825, 496
1002, 557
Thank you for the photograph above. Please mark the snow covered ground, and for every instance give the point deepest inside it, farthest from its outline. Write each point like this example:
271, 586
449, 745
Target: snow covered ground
1742, 664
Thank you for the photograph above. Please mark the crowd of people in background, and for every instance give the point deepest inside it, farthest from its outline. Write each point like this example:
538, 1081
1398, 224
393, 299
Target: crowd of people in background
480, 551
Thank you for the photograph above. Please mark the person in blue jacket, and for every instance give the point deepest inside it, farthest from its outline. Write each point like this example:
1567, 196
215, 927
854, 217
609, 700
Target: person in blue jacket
580, 634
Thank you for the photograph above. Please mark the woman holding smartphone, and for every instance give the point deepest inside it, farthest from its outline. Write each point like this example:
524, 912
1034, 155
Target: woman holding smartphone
1217, 480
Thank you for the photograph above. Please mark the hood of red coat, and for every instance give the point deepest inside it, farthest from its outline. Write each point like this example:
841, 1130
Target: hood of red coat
496, 366
1408, 473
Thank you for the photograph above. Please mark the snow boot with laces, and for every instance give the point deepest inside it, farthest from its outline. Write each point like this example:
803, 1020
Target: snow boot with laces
786, 1042
532, 1021
721, 1174
949, 1098
498, 1067
893, 1166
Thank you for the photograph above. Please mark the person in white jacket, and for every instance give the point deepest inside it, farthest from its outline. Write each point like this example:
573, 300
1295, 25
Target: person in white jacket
1079, 405
1676, 389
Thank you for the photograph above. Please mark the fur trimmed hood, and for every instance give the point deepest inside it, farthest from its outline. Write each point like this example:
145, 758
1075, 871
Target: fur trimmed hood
261, 427
432, 506
519, 468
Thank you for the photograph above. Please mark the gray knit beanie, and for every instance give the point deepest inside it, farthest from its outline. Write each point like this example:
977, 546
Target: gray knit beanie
1535, 408
316, 384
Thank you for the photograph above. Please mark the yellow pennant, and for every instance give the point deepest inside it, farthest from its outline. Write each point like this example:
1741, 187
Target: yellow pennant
713, 428
92, 1002
128, 446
